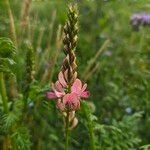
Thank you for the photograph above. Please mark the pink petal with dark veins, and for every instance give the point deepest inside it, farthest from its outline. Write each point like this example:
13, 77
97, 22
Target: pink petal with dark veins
76, 87
84, 88
59, 94
71, 101
85, 94
62, 79
58, 86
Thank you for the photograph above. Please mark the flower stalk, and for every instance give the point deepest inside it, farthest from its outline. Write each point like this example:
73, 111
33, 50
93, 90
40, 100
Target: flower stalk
67, 131
68, 89
29, 74
13, 83
3, 93
6, 142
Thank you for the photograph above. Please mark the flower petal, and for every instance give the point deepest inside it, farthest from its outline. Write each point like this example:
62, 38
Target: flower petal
59, 94
71, 115
57, 90
51, 95
60, 105
62, 79
70, 97
76, 87
85, 94
66, 75
58, 86
74, 123
71, 101
84, 87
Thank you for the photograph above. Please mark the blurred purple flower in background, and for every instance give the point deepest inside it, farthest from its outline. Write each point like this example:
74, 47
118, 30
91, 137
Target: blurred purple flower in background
140, 19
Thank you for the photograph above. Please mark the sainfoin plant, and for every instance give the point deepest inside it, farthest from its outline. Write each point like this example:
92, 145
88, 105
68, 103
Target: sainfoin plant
68, 90
45, 103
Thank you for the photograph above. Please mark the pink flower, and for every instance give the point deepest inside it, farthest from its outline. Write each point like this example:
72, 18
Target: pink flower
58, 88
61, 79
51, 95
70, 100
79, 89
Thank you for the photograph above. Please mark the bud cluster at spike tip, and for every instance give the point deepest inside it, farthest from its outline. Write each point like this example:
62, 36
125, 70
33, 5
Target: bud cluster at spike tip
70, 41
140, 19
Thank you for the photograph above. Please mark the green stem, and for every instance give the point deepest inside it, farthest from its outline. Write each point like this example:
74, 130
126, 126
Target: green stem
67, 131
3, 93
90, 127
91, 133
13, 91
6, 142
142, 39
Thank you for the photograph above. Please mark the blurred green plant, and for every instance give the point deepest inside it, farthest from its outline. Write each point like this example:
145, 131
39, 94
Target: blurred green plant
7, 51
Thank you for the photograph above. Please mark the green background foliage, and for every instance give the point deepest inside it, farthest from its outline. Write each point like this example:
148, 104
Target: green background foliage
116, 116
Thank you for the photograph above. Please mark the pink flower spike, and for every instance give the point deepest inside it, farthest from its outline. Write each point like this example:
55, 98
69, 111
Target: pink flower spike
62, 79
51, 95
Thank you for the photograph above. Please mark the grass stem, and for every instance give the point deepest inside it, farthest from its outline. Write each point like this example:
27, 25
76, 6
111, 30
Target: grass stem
6, 142
89, 127
12, 25
3, 93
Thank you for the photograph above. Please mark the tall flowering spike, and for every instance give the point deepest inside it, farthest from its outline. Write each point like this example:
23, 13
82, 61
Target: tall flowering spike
70, 41
30, 69
68, 89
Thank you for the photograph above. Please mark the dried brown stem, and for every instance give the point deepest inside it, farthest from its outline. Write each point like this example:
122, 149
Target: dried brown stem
25, 13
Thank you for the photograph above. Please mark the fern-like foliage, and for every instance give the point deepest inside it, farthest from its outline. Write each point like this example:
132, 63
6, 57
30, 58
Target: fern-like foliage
7, 51
7, 121
21, 139
111, 136
129, 129
145, 147
10, 123
7, 48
